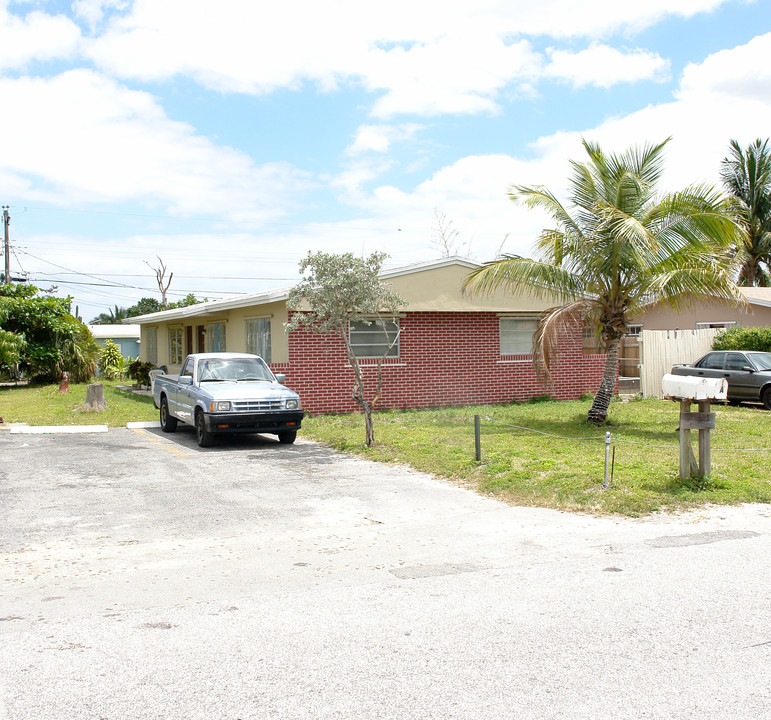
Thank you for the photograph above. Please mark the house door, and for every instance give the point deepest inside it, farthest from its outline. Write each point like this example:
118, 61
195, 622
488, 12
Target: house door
201, 335
189, 339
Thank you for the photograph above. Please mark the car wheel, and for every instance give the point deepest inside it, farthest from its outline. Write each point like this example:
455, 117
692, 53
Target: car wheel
287, 437
766, 398
168, 423
204, 437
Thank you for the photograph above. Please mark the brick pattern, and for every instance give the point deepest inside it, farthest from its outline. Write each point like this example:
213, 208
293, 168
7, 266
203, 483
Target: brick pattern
445, 359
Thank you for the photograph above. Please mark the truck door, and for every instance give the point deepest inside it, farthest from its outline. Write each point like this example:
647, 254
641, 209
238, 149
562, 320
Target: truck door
184, 403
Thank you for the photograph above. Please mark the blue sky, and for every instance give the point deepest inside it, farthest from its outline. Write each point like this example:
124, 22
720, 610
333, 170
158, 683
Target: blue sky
231, 138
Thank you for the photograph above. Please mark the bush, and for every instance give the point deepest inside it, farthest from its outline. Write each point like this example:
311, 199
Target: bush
112, 364
140, 371
741, 338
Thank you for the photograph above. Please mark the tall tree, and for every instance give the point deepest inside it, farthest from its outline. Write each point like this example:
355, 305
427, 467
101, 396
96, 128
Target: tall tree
746, 175
337, 291
111, 317
616, 248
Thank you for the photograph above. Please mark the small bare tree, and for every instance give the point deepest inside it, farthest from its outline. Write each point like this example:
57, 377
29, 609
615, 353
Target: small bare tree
160, 276
445, 236
338, 290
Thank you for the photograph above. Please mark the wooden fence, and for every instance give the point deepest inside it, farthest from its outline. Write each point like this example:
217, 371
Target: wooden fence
661, 349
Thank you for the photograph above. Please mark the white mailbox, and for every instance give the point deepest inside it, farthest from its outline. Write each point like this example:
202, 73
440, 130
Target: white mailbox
691, 387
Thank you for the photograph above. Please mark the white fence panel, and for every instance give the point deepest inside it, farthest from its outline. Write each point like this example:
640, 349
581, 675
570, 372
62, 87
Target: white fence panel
661, 349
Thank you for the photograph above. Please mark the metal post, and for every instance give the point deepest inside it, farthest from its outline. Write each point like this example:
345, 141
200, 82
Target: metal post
606, 482
6, 223
477, 438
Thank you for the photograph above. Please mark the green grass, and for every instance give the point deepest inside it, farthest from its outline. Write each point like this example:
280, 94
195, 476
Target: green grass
518, 466
45, 405
527, 468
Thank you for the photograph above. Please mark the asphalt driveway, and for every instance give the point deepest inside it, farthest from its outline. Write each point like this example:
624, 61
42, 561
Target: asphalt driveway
144, 577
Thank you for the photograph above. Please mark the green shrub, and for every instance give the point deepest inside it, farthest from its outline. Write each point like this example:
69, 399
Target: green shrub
140, 371
741, 338
112, 364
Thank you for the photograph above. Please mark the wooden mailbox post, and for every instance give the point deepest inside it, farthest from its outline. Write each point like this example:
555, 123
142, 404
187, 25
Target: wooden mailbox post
689, 389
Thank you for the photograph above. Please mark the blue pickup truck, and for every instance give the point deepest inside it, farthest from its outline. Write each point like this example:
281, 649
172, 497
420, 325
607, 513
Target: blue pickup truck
227, 393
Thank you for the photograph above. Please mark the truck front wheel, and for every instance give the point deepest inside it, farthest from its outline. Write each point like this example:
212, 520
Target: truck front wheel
204, 437
168, 423
287, 437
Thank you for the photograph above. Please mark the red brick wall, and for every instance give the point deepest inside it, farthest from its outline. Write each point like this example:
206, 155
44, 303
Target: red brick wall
445, 359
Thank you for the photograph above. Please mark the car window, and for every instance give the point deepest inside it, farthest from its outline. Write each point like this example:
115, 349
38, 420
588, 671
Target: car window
735, 361
713, 361
761, 360
187, 368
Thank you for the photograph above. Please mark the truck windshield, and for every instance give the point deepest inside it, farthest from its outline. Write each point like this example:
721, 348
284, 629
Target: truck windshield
234, 370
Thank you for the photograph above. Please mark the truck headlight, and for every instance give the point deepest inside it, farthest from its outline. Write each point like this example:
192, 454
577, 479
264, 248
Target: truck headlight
292, 404
221, 405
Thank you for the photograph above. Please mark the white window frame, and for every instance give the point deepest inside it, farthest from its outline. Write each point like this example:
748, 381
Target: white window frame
634, 330
258, 340
388, 328
176, 351
517, 341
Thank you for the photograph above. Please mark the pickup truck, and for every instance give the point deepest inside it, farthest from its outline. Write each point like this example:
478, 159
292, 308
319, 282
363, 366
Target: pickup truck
227, 393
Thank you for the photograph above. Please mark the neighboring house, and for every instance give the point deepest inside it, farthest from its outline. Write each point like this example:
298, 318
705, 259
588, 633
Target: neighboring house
452, 349
126, 337
714, 314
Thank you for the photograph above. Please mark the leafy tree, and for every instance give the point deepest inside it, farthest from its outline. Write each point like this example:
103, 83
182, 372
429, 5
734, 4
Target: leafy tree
54, 340
11, 348
339, 290
145, 306
111, 361
187, 301
111, 317
746, 175
743, 338
618, 248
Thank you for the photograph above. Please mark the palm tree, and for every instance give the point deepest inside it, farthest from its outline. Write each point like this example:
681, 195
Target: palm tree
746, 175
618, 248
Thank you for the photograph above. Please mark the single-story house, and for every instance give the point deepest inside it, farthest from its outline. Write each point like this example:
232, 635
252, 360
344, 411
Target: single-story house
126, 337
452, 349
709, 314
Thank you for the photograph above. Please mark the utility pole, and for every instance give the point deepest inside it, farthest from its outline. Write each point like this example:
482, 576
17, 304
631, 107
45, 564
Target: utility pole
6, 223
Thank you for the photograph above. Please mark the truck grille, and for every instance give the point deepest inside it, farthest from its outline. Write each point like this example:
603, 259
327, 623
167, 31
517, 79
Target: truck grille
256, 405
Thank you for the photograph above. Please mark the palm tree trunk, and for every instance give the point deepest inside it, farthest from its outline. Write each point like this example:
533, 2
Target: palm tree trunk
598, 412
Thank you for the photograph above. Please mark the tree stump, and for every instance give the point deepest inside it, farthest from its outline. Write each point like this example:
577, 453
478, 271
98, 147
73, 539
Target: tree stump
95, 399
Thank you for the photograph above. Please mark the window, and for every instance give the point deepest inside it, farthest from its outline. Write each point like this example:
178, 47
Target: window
713, 361
187, 368
735, 361
373, 338
517, 335
151, 345
215, 337
258, 337
633, 330
175, 346
704, 325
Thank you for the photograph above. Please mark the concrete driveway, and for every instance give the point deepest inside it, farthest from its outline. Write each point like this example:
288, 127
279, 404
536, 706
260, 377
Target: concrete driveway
143, 577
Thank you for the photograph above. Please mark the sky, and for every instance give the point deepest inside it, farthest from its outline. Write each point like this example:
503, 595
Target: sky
226, 140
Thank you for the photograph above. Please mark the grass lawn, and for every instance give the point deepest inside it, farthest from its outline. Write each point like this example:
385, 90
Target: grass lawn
45, 405
518, 466
528, 468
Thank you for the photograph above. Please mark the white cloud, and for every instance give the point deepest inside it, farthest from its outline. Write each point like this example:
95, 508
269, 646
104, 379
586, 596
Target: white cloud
380, 138
36, 36
104, 143
605, 66
741, 72
426, 58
